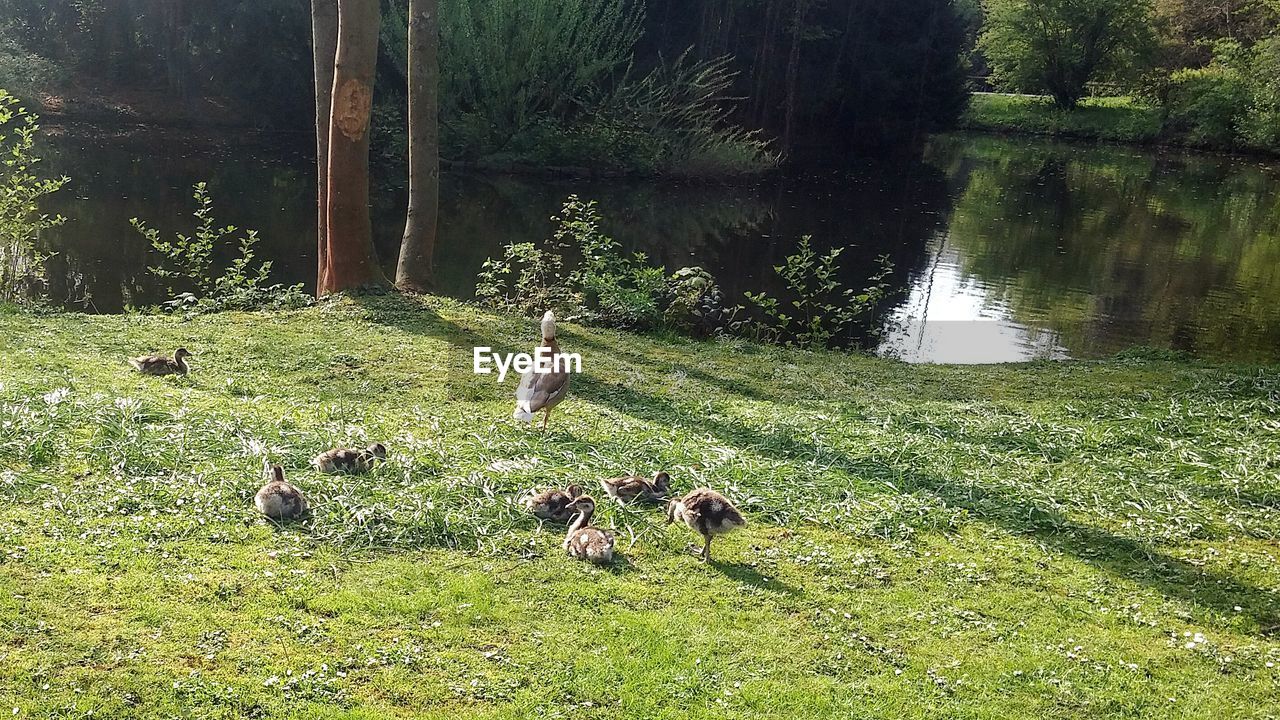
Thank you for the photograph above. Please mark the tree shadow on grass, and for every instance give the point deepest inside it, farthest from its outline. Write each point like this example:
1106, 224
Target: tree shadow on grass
1121, 556
1125, 557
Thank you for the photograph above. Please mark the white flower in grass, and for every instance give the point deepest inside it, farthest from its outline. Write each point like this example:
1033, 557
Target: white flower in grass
57, 396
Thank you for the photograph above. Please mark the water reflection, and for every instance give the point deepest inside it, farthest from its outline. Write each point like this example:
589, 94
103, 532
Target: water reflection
1003, 249
1105, 247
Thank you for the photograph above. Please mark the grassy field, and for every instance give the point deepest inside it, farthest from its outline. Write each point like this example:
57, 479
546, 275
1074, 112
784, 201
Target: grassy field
1116, 119
1057, 540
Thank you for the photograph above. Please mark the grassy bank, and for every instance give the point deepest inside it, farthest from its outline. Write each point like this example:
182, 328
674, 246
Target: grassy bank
1114, 119
1044, 540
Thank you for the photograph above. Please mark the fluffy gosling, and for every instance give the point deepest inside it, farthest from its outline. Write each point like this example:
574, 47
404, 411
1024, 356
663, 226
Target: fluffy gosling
162, 364
584, 542
628, 488
553, 504
707, 513
280, 500
350, 460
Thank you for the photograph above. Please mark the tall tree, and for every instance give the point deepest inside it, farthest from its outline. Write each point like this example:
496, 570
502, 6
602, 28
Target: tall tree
418, 244
347, 248
1058, 46
324, 45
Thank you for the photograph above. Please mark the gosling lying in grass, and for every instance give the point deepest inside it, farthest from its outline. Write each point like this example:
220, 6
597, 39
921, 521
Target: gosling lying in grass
707, 513
280, 500
162, 364
584, 542
350, 460
553, 504
628, 488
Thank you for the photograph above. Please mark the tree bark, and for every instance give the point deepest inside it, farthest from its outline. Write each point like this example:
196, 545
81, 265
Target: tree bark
413, 273
793, 72
349, 257
324, 46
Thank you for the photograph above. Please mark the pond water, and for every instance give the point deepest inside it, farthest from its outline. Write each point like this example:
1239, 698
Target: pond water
1003, 249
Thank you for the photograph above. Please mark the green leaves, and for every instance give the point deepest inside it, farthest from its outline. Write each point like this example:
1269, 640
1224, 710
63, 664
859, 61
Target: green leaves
825, 310
238, 286
21, 191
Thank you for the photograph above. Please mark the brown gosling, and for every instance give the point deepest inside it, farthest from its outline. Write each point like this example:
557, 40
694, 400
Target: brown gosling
584, 542
707, 513
553, 504
350, 460
280, 500
628, 488
161, 364
542, 391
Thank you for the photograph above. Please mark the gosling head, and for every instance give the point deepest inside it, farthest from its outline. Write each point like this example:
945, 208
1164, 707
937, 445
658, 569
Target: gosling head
277, 473
671, 510
584, 504
573, 490
378, 450
662, 481
181, 353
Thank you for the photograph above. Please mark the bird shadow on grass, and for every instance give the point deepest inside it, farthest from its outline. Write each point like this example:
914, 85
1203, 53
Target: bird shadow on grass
745, 574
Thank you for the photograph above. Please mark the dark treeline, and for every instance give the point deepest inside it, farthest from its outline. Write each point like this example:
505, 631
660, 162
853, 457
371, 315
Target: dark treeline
808, 72
817, 72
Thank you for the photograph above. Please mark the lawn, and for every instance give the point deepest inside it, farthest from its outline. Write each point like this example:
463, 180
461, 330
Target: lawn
1117, 119
1057, 540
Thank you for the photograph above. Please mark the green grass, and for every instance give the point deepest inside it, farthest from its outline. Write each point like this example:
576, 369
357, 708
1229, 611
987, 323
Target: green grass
1065, 540
1116, 119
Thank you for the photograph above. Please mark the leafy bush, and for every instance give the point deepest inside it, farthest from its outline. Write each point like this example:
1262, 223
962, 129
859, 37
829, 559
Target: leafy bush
1260, 126
21, 265
601, 285
550, 82
822, 312
239, 286
1234, 101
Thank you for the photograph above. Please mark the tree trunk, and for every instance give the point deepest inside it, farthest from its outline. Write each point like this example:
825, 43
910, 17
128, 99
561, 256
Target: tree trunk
324, 46
349, 257
793, 72
418, 245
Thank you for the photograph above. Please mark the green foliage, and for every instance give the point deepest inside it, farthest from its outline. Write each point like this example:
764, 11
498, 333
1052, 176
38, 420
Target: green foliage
1119, 119
1233, 101
550, 83
822, 312
1058, 46
21, 190
599, 284
239, 286
515, 62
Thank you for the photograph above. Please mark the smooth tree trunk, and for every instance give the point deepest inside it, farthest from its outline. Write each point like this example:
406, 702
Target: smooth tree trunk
349, 258
324, 45
413, 273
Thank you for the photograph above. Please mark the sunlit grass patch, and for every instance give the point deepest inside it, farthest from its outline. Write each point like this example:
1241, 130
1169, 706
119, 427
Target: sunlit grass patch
1076, 539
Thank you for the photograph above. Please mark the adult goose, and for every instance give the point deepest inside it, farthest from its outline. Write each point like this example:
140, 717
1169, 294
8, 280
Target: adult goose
542, 391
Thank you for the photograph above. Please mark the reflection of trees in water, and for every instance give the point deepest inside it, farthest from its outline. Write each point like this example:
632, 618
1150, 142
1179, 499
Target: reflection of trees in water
1112, 247
114, 179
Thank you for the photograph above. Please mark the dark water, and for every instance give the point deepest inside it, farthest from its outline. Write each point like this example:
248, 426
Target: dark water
1003, 249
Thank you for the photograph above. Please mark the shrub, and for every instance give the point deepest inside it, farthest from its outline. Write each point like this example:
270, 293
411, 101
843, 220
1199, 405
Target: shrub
239, 286
1234, 101
21, 190
602, 286
822, 312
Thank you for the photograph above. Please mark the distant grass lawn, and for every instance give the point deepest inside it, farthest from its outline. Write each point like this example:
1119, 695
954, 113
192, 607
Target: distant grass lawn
1120, 119
1051, 540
